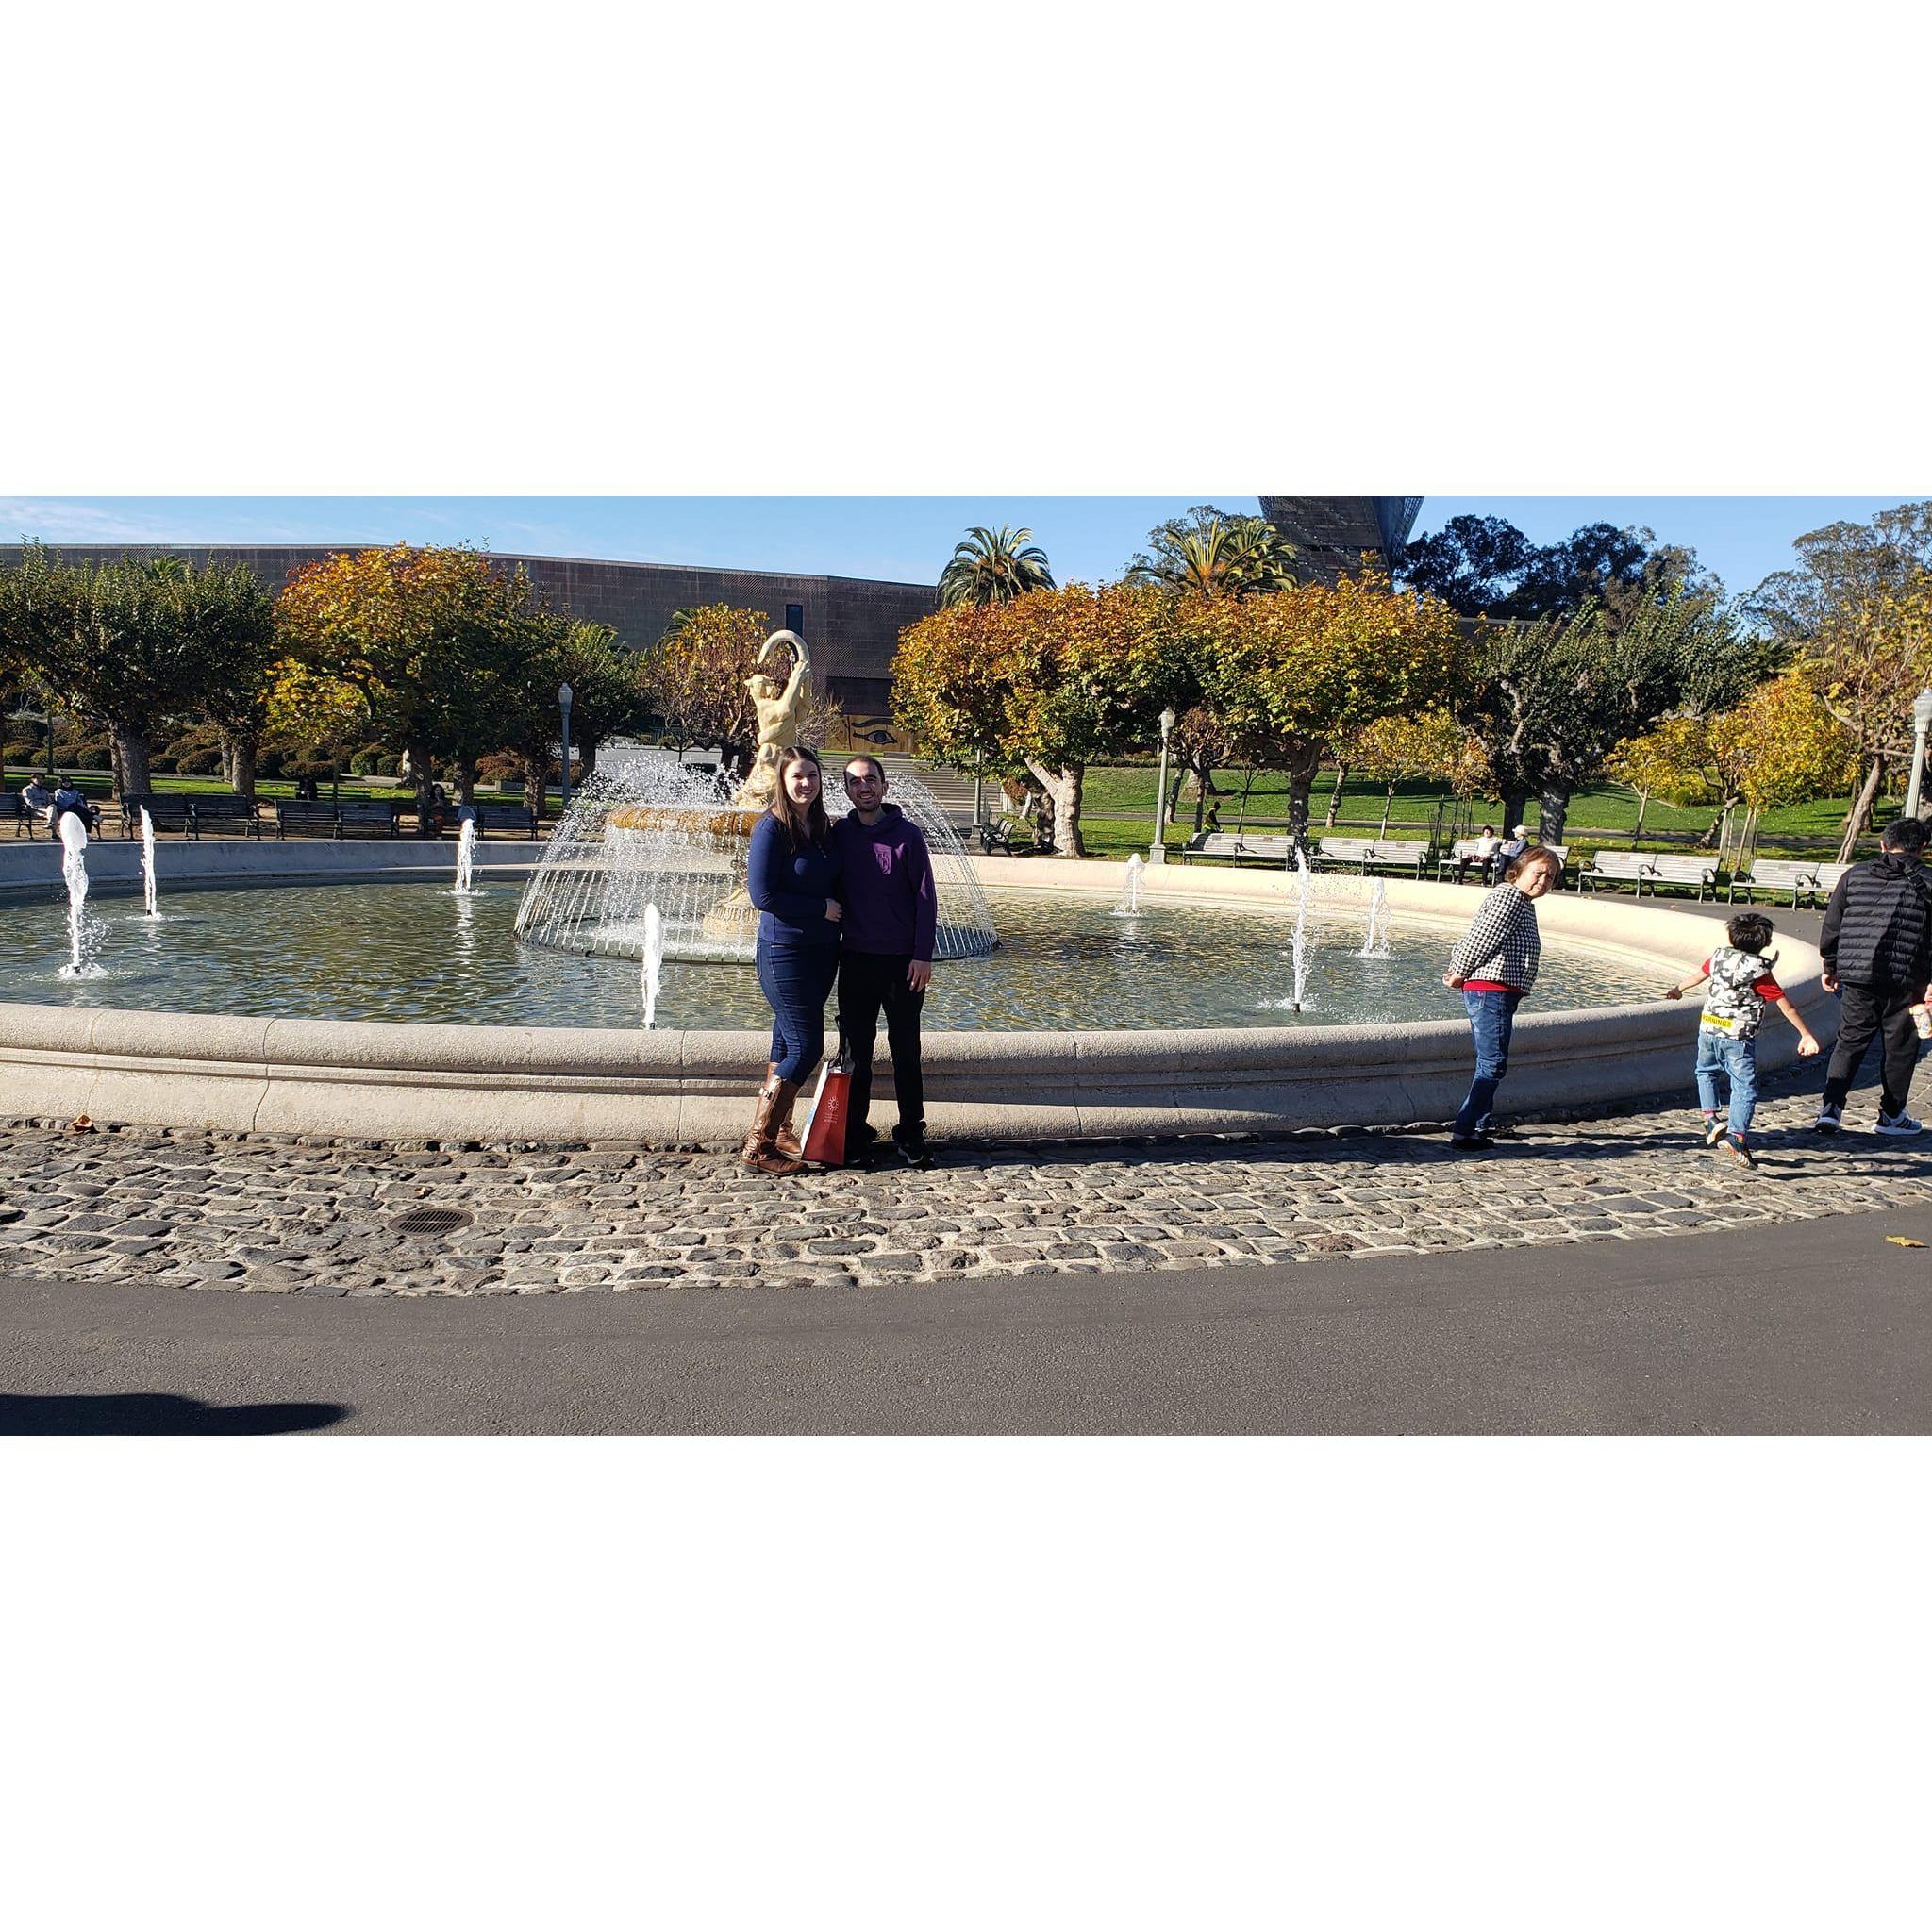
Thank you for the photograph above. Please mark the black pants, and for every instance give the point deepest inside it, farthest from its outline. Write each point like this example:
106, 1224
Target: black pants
1865, 1013
869, 982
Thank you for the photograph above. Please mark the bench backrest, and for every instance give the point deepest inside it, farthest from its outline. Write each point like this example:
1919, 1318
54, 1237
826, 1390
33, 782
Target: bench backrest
1828, 875
1688, 872
1468, 848
1344, 848
1404, 850
1782, 871
1625, 865
367, 809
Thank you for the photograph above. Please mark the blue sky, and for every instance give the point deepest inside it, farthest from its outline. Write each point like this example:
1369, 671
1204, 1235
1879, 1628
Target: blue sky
905, 538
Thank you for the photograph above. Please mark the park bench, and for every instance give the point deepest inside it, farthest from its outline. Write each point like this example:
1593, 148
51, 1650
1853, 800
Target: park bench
519, 820
1461, 857
1012, 836
322, 818
1660, 872
24, 816
225, 815
171, 812
1375, 855
1776, 877
193, 814
1269, 846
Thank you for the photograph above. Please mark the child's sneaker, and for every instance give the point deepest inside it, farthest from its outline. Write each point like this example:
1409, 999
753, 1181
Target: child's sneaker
1714, 1129
1828, 1121
1899, 1125
1733, 1150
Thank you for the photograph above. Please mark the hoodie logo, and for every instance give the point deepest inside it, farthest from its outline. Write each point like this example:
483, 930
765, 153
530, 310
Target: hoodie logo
885, 857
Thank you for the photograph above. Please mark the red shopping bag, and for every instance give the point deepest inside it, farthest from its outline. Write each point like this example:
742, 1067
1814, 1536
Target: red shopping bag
823, 1139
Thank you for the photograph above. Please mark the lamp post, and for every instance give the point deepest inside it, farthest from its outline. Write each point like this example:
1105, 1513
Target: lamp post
1156, 852
563, 699
1921, 723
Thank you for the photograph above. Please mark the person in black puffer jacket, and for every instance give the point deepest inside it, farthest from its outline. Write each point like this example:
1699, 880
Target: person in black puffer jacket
1876, 944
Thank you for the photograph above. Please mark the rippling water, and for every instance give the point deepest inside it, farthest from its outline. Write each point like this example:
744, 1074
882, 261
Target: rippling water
418, 952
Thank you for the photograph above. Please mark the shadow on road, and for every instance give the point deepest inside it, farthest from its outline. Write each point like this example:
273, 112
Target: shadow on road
149, 1414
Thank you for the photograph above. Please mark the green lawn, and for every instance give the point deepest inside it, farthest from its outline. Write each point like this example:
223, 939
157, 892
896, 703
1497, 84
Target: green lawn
1118, 810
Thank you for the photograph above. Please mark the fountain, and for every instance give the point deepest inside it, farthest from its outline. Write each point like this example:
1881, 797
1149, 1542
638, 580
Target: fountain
654, 961
80, 963
647, 831
1376, 939
466, 854
149, 893
1129, 907
1299, 943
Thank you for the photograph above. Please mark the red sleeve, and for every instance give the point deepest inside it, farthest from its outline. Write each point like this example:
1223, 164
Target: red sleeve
1766, 989
1704, 969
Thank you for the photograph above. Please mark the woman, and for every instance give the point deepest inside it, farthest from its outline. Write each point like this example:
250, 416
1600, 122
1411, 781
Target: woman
1493, 967
791, 878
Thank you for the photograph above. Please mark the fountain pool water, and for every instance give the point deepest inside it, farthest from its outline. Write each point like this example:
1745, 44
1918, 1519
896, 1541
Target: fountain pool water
646, 830
330, 951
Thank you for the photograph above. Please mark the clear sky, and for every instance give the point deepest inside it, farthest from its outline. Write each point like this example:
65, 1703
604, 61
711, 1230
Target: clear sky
906, 538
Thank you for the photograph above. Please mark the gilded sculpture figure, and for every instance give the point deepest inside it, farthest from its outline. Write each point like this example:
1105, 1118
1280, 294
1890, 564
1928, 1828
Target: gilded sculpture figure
780, 711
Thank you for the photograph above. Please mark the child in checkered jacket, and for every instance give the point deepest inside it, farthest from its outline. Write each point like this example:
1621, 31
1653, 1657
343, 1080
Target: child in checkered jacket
1741, 986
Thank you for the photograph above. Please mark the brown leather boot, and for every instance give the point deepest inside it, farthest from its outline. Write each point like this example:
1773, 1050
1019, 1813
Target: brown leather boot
783, 1139
761, 1151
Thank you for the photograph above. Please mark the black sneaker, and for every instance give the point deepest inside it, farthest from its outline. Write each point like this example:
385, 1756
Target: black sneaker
1734, 1150
1714, 1130
1829, 1119
913, 1152
1472, 1143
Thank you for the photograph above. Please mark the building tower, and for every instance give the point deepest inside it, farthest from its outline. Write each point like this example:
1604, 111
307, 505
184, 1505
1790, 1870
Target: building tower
1332, 532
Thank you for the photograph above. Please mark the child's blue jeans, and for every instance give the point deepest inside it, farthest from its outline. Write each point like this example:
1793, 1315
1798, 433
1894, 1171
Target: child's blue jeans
1717, 1053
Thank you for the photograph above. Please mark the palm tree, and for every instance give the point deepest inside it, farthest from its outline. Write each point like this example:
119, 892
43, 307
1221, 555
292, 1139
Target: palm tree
1217, 556
994, 568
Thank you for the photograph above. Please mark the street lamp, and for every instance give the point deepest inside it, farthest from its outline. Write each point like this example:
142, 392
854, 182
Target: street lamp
563, 699
1921, 723
1156, 852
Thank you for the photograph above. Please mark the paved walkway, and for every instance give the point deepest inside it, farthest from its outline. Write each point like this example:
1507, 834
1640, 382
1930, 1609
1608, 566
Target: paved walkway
192, 1210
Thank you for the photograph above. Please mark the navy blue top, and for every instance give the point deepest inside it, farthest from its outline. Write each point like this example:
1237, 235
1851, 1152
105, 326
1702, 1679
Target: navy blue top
789, 889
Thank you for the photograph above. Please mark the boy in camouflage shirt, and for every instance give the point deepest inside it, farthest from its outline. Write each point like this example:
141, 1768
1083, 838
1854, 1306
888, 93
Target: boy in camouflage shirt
1741, 986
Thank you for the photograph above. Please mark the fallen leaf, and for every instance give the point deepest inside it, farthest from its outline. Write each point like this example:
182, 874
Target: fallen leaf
1903, 1240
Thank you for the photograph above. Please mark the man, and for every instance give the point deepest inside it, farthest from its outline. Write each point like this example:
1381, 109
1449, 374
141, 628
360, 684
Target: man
1876, 943
68, 796
36, 798
885, 955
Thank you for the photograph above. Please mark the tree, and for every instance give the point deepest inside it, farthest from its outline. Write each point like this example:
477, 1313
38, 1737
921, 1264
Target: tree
1550, 701
1215, 554
607, 697
1048, 682
1472, 563
1297, 670
1858, 606
432, 638
695, 677
134, 642
1417, 744
995, 567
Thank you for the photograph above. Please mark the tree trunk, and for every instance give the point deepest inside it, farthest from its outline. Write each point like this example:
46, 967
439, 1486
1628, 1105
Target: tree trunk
1643, 807
1240, 813
1335, 798
1860, 814
1555, 807
239, 756
1063, 787
1515, 804
422, 770
1302, 768
536, 773
130, 761
466, 777
1204, 776
1387, 805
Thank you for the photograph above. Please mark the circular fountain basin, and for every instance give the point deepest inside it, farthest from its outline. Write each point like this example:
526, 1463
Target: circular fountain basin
288, 1071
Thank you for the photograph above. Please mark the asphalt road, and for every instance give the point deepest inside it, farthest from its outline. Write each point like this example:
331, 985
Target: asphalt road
1822, 1327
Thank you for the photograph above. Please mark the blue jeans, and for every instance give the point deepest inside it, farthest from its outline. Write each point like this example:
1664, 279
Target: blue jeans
1492, 1019
795, 981
1717, 1053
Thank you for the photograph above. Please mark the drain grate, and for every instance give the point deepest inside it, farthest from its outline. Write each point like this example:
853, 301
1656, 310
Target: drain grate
431, 1220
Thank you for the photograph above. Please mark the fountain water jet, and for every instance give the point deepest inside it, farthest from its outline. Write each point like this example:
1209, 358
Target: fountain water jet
1299, 941
80, 963
1129, 907
466, 854
148, 889
1375, 936
654, 961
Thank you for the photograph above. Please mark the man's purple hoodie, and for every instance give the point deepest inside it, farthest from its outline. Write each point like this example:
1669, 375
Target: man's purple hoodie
887, 890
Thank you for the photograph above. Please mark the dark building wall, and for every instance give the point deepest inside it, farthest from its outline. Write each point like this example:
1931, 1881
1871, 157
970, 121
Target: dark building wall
851, 624
1332, 532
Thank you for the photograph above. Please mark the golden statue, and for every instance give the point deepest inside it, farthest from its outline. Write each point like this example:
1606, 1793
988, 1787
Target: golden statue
780, 710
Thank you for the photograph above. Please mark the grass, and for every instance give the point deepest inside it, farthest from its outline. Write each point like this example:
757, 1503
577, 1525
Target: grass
1118, 811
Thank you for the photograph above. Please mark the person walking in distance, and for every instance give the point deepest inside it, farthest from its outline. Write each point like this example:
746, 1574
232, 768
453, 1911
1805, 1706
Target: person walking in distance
1876, 944
885, 955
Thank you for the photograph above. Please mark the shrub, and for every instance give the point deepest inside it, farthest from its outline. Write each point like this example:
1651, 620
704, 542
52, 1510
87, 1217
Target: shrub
321, 770
199, 761
269, 762
500, 768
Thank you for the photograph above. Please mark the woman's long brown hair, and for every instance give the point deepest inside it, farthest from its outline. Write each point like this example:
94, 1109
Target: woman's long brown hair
809, 824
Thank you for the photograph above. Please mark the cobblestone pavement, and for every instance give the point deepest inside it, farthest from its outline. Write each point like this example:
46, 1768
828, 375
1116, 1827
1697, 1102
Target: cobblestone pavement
287, 1216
